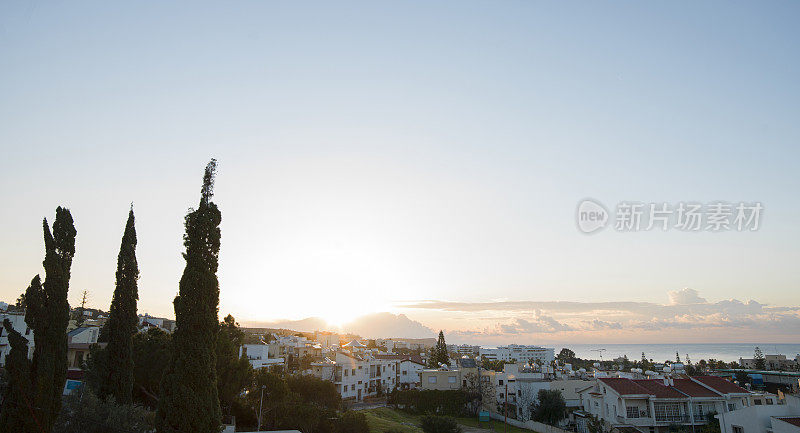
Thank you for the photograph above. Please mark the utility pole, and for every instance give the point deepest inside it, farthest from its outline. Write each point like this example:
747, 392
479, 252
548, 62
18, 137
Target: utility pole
80, 318
261, 406
505, 411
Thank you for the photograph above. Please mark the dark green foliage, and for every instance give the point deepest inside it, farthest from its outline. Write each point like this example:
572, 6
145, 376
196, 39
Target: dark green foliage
48, 315
550, 408
565, 355
86, 413
151, 353
492, 364
352, 422
439, 353
304, 403
742, 378
122, 321
15, 415
440, 402
188, 400
758, 359
233, 373
439, 424
315, 391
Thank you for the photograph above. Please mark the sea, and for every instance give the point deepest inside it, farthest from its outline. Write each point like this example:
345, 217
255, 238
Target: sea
662, 352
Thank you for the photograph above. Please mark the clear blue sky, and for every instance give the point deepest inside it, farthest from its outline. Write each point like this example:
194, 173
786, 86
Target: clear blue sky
379, 152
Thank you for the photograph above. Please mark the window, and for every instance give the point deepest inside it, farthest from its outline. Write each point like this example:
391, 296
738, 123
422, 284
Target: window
346, 371
451, 379
352, 387
731, 407
632, 412
404, 372
431, 379
360, 382
354, 371
500, 382
737, 429
757, 402
769, 401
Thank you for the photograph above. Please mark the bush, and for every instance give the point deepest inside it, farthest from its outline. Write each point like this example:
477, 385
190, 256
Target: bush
90, 414
352, 422
440, 424
450, 403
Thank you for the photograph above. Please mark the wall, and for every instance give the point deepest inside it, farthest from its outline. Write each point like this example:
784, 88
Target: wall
529, 425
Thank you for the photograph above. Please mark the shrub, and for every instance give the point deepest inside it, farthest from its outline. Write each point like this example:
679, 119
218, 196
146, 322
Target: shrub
352, 422
440, 424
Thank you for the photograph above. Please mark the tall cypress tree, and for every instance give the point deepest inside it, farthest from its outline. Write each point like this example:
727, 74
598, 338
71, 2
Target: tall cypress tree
189, 402
47, 315
439, 353
16, 412
122, 321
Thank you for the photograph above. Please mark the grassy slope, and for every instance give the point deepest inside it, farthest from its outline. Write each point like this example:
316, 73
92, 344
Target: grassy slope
385, 419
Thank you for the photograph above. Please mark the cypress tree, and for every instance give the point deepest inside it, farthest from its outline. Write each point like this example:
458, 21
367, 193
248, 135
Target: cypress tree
189, 402
15, 415
439, 353
48, 315
122, 321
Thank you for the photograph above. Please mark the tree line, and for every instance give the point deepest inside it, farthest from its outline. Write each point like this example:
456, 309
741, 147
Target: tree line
188, 381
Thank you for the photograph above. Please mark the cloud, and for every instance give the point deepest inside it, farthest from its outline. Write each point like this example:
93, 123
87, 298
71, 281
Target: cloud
388, 325
686, 313
685, 296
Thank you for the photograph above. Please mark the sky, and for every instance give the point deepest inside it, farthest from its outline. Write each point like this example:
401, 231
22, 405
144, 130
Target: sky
417, 163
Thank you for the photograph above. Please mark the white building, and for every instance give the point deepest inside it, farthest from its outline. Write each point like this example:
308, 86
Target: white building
464, 349
766, 417
409, 372
520, 353
653, 405
262, 355
358, 375
18, 323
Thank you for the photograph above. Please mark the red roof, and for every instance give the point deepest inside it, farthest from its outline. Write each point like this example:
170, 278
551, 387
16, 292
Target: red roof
721, 385
693, 389
391, 357
791, 420
624, 386
658, 389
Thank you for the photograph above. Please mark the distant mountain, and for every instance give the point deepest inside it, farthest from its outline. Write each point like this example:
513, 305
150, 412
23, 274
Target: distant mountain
376, 325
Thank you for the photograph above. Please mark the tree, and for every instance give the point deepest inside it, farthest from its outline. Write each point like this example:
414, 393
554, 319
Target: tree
79, 316
439, 353
565, 355
122, 321
151, 354
234, 373
47, 315
87, 413
189, 401
742, 377
550, 408
21, 302
352, 422
677, 357
15, 413
758, 360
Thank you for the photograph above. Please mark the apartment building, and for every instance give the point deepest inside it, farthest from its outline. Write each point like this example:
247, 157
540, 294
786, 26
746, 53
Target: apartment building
357, 375
764, 416
464, 349
653, 405
409, 370
519, 353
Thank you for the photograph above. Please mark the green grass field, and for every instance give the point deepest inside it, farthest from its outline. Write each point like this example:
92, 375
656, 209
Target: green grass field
384, 419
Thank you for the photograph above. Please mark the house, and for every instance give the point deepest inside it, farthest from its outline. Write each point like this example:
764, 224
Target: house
653, 405
442, 379
765, 417
409, 370
358, 375
79, 343
17, 320
262, 355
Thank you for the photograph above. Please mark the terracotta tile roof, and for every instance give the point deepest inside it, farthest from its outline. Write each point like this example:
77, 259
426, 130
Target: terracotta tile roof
791, 420
721, 385
656, 387
392, 357
624, 386
693, 389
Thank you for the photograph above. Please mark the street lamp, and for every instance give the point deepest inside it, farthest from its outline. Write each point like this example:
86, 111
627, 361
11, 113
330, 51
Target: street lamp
261, 406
